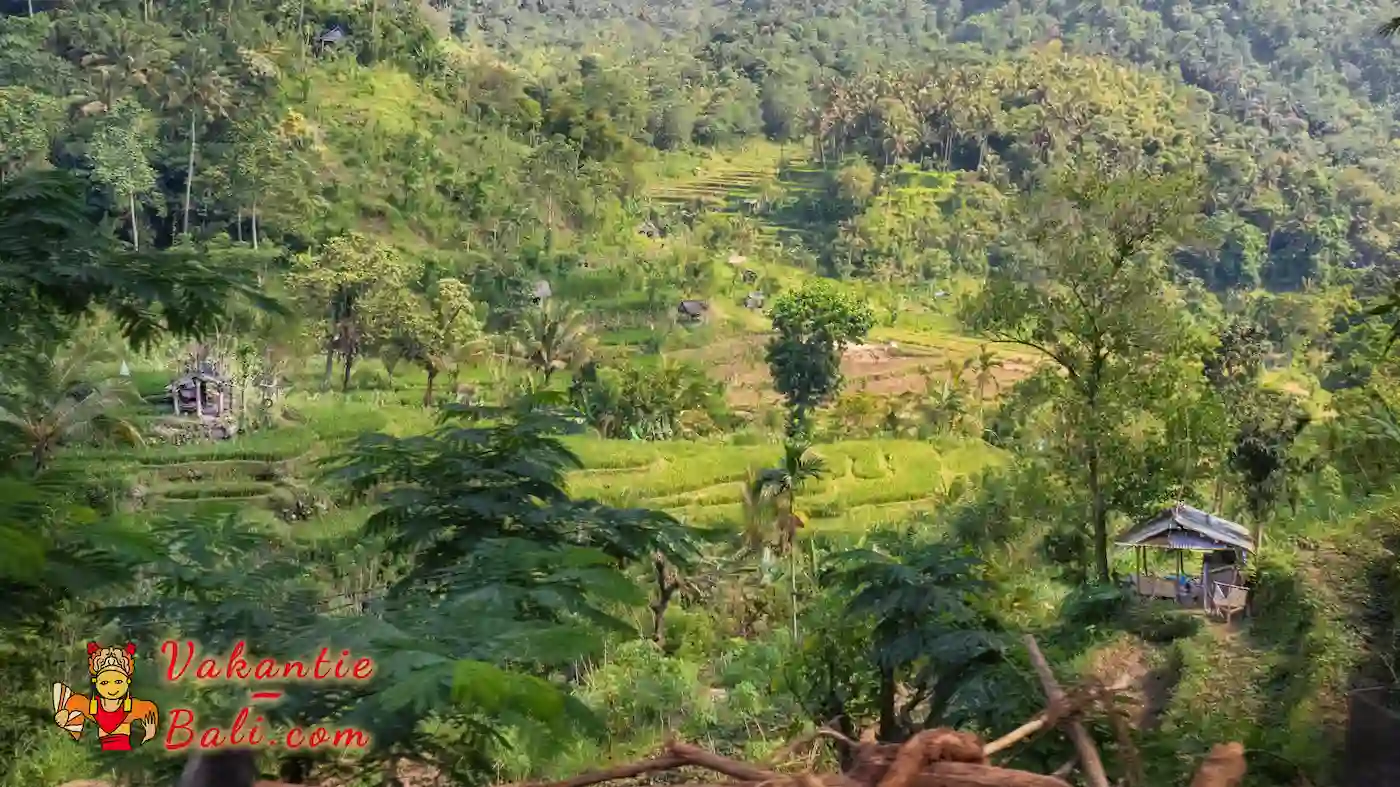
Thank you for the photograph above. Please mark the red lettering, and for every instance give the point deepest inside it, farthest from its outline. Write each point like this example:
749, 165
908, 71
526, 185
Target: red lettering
294, 738
208, 670
340, 664
234, 733
237, 665
351, 737
321, 662
267, 668
298, 666
255, 735
211, 739
368, 669
318, 736
181, 720
170, 672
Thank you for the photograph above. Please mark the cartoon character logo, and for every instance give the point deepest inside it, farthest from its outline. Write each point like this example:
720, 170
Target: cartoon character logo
111, 706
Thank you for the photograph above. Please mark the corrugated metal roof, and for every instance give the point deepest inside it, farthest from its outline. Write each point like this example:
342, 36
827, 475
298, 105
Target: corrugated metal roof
1182, 519
1177, 539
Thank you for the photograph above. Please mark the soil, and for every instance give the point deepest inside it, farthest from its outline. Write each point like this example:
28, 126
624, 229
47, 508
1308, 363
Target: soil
877, 369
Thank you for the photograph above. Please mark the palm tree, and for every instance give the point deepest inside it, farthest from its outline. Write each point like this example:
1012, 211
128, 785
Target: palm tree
552, 338
56, 405
777, 487
984, 365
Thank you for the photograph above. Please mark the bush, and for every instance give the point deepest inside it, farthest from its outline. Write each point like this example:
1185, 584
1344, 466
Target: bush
639, 687
371, 378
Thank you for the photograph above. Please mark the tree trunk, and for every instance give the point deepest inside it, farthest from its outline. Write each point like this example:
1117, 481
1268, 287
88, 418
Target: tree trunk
330, 364
428, 392
1100, 512
255, 224
189, 173
349, 362
665, 588
131, 211
889, 724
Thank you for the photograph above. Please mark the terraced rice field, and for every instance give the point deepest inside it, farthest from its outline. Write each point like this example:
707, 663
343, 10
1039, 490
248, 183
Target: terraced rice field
735, 181
867, 481
877, 368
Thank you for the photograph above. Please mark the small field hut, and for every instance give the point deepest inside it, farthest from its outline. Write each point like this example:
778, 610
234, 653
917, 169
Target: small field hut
1220, 546
200, 392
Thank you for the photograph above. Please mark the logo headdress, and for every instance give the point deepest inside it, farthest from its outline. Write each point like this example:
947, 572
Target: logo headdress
101, 659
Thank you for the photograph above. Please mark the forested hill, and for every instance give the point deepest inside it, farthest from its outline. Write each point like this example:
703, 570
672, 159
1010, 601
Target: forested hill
474, 108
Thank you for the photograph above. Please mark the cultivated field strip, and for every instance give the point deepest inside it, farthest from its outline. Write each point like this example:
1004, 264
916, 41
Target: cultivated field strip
867, 481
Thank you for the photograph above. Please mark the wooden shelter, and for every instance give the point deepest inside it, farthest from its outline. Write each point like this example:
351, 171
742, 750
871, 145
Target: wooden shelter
199, 392
692, 311
1223, 547
330, 38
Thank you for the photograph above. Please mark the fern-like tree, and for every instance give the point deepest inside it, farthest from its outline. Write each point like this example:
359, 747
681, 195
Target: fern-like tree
502, 579
553, 337
56, 265
931, 632
55, 403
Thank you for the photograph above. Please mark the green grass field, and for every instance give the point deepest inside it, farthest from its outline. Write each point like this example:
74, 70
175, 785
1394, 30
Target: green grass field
866, 481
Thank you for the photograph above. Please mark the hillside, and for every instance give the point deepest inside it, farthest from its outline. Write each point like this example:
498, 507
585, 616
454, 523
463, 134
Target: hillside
624, 370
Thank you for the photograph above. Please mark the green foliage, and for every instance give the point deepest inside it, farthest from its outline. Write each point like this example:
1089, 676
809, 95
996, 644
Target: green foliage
813, 324
646, 402
928, 628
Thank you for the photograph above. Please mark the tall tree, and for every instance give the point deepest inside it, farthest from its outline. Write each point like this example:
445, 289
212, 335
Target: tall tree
120, 152
813, 325
1086, 291
431, 327
350, 273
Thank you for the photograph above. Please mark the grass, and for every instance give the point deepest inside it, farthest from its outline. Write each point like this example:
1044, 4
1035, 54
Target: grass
867, 481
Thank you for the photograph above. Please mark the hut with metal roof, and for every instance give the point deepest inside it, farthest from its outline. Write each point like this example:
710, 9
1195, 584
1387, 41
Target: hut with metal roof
1223, 546
692, 311
201, 391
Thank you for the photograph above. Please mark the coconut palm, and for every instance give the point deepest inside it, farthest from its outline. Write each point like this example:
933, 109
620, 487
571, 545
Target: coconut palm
57, 406
553, 337
777, 487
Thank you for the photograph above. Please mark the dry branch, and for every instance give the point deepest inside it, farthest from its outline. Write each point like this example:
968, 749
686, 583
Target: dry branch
665, 762
1089, 759
932, 758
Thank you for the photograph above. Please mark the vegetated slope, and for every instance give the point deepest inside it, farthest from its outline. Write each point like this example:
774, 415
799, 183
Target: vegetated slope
866, 481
